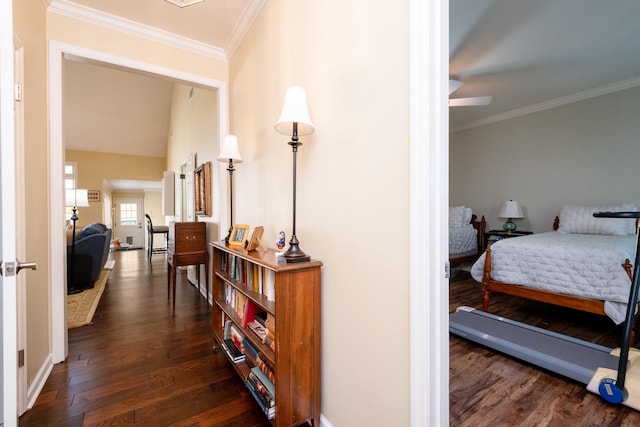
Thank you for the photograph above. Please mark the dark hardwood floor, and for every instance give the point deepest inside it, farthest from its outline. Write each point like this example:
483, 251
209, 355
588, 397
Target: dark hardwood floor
490, 389
141, 363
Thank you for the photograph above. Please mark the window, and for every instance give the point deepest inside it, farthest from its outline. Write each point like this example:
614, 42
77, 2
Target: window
70, 175
70, 180
128, 213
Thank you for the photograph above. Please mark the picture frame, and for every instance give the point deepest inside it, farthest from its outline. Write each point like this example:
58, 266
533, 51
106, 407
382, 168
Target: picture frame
256, 239
239, 235
202, 185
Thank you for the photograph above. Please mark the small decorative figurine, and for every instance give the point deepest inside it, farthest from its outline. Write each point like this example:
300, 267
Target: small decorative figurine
280, 242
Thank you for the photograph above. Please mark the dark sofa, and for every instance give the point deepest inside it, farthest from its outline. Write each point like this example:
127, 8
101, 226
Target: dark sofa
91, 253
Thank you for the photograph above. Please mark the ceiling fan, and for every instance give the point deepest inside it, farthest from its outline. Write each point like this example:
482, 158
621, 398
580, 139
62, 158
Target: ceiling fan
465, 102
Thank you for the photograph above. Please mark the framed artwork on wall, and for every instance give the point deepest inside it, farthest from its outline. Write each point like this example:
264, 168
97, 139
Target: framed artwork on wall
202, 184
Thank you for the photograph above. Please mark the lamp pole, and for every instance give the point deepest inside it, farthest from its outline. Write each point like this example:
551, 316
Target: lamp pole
294, 253
230, 169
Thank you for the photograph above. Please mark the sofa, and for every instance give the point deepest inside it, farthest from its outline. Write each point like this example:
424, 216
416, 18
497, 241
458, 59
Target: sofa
91, 252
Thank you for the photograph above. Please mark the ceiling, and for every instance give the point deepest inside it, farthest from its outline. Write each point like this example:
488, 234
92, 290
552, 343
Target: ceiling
532, 55
528, 55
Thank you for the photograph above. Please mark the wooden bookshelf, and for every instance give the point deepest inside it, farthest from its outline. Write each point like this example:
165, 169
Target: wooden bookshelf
288, 294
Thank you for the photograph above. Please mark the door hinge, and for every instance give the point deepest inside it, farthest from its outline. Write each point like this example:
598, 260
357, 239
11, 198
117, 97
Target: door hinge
20, 358
17, 91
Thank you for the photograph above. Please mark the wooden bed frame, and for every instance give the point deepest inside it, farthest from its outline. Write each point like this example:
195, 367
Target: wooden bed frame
481, 227
564, 300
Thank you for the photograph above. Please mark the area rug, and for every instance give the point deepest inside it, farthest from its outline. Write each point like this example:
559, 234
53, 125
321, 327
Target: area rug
82, 306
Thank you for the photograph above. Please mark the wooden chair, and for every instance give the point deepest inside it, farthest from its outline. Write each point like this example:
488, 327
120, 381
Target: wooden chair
151, 231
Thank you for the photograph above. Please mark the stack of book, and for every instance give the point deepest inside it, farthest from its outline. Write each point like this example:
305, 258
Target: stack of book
232, 351
233, 342
263, 391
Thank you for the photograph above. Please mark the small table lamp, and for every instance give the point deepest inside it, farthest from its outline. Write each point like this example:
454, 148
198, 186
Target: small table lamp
510, 210
230, 153
75, 198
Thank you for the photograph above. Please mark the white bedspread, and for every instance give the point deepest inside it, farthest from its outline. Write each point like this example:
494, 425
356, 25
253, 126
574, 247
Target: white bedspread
585, 265
462, 240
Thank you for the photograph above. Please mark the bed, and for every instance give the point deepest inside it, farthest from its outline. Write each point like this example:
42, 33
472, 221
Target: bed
466, 235
583, 264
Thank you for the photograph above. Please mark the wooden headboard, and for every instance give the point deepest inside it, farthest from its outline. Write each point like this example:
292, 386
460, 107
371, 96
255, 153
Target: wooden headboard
481, 226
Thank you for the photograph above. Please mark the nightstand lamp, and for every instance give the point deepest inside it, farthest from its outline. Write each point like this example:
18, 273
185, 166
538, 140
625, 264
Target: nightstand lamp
510, 210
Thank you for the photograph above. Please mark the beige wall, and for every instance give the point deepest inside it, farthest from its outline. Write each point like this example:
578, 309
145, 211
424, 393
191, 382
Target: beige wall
94, 168
194, 128
353, 203
352, 177
583, 153
29, 25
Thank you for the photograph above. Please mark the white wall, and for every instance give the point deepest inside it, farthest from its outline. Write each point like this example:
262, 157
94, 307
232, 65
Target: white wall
582, 153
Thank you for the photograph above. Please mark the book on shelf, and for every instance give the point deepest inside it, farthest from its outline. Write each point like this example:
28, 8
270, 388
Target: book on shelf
270, 285
236, 336
266, 367
234, 353
270, 325
266, 382
260, 331
260, 317
266, 403
249, 348
250, 310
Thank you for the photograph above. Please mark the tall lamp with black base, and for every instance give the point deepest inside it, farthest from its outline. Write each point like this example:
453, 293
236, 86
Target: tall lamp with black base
74, 198
295, 121
229, 153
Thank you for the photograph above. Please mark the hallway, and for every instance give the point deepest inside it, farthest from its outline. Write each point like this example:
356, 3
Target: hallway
141, 364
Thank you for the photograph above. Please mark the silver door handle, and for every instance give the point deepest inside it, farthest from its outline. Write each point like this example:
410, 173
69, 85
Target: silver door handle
12, 268
26, 265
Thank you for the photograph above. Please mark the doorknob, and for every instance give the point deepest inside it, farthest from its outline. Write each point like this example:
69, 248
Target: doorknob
13, 268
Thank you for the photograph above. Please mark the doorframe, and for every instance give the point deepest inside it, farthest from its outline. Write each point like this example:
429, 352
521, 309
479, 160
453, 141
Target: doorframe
428, 212
56, 163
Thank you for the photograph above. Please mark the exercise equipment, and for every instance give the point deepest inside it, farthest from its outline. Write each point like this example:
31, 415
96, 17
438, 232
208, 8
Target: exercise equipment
614, 374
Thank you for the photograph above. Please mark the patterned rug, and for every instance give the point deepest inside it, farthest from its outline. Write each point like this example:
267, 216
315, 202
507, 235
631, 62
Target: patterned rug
82, 306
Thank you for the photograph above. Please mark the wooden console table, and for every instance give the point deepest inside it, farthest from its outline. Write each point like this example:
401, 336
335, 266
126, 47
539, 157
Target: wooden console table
187, 246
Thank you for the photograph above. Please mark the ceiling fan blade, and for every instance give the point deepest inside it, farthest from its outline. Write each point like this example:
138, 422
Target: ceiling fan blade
454, 85
470, 102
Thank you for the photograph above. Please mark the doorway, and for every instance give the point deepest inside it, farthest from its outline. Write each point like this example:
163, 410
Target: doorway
127, 226
57, 52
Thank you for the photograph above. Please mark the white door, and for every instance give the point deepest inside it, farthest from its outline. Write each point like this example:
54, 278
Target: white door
129, 225
8, 294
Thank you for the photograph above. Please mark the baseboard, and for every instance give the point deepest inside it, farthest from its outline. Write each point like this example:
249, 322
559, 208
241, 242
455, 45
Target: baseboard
324, 422
36, 386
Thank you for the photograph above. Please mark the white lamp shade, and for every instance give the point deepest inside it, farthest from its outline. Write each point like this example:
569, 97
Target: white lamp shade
294, 111
230, 150
77, 198
511, 209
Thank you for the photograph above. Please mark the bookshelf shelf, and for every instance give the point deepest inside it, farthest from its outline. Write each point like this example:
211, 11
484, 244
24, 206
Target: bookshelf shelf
252, 291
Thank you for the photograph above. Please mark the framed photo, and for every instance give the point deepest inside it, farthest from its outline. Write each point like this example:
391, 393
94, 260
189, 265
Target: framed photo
256, 239
239, 235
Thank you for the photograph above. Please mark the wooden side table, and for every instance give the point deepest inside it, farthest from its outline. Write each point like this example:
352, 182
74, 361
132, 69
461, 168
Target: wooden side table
187, 245
175, 260
493, 236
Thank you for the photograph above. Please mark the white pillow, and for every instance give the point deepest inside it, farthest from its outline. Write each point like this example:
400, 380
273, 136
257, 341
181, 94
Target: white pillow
466, 217
456, 215
580, 220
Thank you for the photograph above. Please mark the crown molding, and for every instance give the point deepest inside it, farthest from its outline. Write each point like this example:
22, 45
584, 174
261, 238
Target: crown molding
96, 17
244, 23
557, 102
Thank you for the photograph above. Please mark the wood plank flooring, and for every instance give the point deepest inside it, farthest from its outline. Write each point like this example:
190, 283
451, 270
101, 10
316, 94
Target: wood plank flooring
140, 363
490, 389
